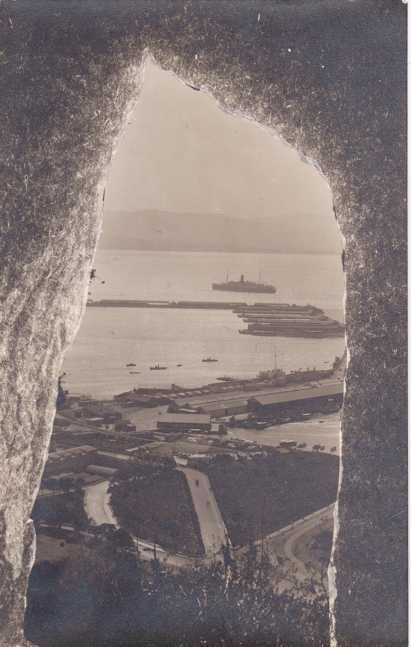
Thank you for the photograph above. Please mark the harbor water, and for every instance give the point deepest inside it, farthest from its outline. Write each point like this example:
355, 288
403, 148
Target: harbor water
110, 338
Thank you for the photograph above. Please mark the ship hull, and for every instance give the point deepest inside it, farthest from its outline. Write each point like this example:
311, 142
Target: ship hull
243, 288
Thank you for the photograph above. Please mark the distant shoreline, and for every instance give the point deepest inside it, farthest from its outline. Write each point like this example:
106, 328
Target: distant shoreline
216, 251
158, 230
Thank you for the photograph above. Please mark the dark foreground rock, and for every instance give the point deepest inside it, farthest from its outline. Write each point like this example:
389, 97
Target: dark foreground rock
328, 76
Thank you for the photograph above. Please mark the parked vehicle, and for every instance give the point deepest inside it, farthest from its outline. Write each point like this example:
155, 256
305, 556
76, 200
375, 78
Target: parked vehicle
288, 444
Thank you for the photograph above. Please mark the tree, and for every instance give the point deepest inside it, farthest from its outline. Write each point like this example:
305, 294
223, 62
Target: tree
107, 597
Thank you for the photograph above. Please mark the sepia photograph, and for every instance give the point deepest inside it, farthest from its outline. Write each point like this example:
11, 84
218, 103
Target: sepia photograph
203, 349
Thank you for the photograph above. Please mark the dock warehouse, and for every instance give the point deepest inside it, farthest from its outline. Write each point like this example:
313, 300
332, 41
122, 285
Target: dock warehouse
311, 398
184, 422
225, 407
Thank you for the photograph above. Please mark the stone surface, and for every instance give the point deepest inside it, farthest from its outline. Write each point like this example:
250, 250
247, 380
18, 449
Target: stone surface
328, 76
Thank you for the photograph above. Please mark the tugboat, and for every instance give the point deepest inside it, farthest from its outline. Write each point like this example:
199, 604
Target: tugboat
245, 286
157, 367
209, 359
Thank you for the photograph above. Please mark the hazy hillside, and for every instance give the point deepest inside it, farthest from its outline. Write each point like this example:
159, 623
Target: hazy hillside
163, 230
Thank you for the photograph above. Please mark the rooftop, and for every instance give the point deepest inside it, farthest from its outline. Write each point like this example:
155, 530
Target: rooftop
72, 451
330, 390
190, 418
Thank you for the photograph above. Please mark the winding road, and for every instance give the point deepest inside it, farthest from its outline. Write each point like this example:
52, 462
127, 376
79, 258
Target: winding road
303, 528
212, 527
97, 507
283, 542
97, 504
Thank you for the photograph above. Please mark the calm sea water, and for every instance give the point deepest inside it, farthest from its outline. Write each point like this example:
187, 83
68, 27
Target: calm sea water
110, 338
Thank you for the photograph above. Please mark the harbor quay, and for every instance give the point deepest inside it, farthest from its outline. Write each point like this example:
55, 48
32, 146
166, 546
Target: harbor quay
160, 422
163, 465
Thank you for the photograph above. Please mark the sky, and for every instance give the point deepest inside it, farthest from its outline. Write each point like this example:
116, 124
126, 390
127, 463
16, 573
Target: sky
181, 153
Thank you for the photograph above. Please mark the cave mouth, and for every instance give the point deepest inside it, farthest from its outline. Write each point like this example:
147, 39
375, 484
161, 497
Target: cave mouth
330, 79
167, 238
189, 178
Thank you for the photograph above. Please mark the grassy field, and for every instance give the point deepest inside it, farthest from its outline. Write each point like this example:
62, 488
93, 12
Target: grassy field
53, 549
159, 509
260, 496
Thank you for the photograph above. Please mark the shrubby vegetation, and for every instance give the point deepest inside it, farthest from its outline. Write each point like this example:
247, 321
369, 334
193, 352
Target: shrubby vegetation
109, 599
61, 508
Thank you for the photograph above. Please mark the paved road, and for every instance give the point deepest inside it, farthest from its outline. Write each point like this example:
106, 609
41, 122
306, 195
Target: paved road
294, 535
282, 543
212, 527
213, 530
97, 504
320, 430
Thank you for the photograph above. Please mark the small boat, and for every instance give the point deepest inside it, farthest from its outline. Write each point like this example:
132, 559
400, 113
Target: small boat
179, 365
225, 378
157, 367
134, 372
209, 359
130, 364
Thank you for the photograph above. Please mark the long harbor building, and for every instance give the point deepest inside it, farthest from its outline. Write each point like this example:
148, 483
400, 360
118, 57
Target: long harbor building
325, 395
184, 422
325, 398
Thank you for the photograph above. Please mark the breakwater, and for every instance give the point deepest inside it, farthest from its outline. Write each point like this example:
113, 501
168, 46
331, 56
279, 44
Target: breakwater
262, 319
143, 303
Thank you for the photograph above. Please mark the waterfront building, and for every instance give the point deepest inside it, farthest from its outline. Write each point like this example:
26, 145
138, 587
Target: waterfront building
324, 398
184, 422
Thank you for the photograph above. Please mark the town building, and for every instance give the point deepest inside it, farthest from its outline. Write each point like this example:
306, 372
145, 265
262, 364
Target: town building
102, 470
75, 459
225, 407
325, 398
184, 422
125, 425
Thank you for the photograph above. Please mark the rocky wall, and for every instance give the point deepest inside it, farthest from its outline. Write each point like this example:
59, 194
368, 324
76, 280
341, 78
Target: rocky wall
329, 77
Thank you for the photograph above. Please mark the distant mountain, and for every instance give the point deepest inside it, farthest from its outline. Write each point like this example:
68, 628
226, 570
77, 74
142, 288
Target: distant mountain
169, 231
